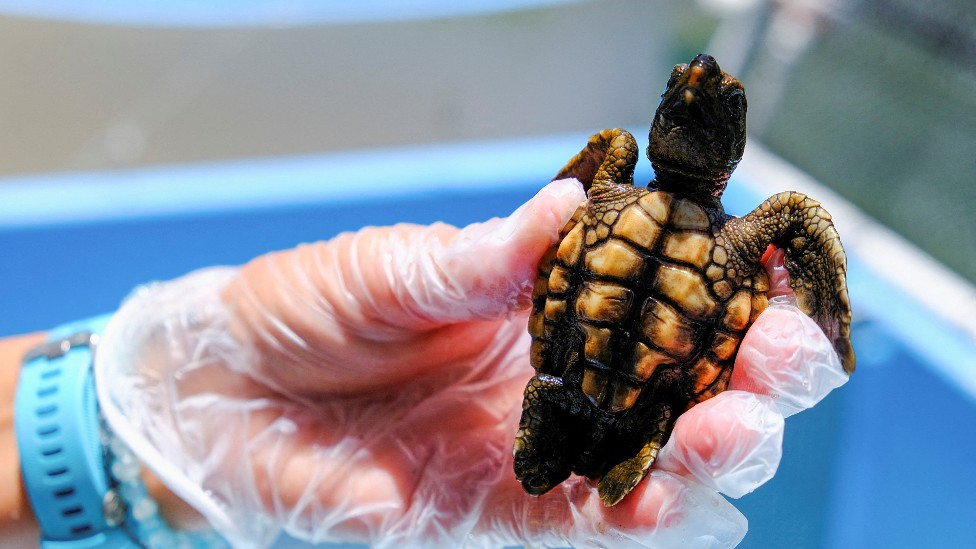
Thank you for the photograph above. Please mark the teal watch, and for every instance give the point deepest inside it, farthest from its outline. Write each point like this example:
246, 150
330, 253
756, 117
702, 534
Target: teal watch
83, 483
63, 462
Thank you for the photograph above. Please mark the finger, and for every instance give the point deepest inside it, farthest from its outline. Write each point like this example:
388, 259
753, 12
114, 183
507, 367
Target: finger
785, 355
419, 277
779, 278
381, 286
664, 510
731, 443
487, 269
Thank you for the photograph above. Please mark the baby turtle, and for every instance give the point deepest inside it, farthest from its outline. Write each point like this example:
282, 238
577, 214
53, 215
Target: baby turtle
639, 309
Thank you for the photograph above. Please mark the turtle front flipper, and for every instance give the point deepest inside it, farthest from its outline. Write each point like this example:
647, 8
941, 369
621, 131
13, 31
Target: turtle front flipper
815, 260
608, 157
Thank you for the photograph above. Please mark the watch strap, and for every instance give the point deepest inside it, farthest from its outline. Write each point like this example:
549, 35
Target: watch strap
63, 461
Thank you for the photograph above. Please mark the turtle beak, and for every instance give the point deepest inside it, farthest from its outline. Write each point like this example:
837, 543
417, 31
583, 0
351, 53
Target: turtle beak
702, 68
695, 74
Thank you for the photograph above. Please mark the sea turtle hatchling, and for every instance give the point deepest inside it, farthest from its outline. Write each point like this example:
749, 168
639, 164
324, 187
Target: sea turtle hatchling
639, 308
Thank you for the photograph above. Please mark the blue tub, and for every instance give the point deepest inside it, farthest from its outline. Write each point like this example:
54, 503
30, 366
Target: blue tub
886, 461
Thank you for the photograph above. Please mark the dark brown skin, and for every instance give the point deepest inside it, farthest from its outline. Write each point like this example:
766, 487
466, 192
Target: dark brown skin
639, 309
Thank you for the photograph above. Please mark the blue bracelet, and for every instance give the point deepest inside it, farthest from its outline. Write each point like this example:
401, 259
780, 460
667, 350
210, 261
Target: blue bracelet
83, 483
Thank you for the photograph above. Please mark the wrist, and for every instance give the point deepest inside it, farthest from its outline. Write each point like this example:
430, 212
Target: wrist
18, 527
81, 481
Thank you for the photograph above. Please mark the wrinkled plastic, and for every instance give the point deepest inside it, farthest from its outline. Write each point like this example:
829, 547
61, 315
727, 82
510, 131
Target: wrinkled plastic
745, 429
786, 356
368, 389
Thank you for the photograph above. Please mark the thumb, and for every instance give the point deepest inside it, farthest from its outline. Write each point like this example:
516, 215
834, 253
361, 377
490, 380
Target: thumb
401, 278
364, 296
486, 269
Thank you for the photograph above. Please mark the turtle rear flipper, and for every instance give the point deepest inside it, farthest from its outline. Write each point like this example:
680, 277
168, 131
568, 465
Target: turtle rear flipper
815, 260
543, 450
623, 477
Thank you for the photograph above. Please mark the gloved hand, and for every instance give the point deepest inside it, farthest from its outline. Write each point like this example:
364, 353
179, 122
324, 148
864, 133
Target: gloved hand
368, 389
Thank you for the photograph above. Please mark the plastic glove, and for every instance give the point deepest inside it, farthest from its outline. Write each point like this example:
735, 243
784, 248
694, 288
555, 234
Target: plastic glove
368, 389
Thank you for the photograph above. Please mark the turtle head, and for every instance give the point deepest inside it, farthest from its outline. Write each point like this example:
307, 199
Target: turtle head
699, 129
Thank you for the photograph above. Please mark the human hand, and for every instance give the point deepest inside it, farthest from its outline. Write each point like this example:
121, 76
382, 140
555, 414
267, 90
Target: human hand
368, 389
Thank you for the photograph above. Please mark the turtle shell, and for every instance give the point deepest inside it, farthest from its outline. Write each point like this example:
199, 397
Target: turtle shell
637, 291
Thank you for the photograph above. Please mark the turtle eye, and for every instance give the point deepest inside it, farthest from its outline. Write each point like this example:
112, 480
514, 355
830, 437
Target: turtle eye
734, 105
735, 101
676, 73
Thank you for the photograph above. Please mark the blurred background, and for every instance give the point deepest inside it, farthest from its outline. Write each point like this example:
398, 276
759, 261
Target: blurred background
874, 98
133, 137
